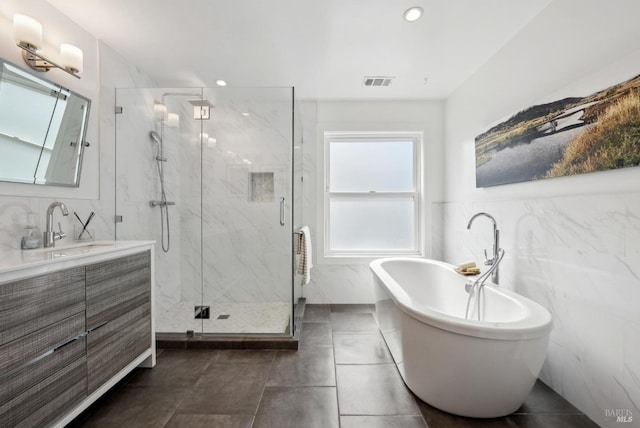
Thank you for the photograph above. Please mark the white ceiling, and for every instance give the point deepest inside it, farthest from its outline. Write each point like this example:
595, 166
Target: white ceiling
322, 47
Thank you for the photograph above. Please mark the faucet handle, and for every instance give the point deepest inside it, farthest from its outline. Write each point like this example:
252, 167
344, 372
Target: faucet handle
61, 234
487, 260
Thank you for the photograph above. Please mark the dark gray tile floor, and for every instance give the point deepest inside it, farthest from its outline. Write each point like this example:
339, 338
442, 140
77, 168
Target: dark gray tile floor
341, 376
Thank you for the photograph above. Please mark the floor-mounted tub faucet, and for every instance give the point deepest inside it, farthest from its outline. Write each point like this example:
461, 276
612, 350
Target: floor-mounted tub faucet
50, 237
495, 275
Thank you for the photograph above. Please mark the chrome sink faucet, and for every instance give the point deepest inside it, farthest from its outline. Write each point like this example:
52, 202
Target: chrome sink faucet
495, 276
50, 237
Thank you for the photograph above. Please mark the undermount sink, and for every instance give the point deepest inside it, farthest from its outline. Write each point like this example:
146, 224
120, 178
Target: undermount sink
76, 248
81, 248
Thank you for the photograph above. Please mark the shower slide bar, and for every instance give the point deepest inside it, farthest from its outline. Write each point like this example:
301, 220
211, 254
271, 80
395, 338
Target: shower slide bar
161, 203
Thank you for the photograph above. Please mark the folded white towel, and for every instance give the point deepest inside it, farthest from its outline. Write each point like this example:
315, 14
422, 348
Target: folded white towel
304, 249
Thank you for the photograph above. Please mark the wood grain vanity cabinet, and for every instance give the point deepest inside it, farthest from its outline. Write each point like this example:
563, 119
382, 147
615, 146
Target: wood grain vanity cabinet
65, 334
38, 315
118, 315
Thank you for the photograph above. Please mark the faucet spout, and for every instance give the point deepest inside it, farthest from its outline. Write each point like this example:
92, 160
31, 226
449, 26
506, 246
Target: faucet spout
50, 237
495, 276
495, 225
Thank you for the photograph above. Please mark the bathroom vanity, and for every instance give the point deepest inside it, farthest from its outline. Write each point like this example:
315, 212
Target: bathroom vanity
74, 321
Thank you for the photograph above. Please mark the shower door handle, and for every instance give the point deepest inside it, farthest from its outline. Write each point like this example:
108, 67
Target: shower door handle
282, 212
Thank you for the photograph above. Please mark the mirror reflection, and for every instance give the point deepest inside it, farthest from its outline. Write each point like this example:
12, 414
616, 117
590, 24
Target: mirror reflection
42, 129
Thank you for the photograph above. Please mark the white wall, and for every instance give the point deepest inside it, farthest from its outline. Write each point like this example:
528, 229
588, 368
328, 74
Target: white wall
572, 243
351, 282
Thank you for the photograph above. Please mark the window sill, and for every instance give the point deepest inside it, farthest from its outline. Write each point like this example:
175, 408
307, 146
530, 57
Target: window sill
354, 259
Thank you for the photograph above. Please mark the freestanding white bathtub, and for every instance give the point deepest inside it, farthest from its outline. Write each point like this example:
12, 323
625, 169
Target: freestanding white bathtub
467, 367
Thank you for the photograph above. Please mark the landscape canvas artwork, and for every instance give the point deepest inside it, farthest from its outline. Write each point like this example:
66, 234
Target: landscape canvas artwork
573, 135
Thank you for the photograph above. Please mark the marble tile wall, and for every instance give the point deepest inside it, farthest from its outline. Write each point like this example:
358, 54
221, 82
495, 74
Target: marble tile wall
577, 256
246, 252
137, 183
188, 204
572, 242
299, 190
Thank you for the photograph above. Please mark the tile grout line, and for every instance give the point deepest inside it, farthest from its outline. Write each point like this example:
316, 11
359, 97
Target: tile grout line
191, 388
255, 413
393, 361
335, 369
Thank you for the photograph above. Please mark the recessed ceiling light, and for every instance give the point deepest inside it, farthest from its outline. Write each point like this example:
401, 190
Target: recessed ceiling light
413, 14
221, 83
246, 114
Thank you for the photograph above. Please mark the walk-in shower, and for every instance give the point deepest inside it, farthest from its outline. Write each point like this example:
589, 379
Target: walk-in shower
229, 169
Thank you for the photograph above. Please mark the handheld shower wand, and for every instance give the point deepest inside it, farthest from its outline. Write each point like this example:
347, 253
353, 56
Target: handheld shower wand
162, 203
155, 137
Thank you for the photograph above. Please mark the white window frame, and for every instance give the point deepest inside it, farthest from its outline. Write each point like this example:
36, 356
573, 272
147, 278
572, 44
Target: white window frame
347, 256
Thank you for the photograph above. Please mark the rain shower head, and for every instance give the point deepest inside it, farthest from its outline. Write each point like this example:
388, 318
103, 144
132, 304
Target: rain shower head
200, 103
155, 137
201, 109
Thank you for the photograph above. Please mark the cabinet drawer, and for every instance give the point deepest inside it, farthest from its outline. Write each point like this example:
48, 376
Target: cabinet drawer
114, 345
117, 287
14, 355
31, 304
48, 400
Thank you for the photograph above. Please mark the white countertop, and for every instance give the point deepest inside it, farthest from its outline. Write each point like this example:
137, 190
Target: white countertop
22, 263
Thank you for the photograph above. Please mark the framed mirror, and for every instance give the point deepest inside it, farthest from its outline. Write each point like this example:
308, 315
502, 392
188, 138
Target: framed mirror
42, 129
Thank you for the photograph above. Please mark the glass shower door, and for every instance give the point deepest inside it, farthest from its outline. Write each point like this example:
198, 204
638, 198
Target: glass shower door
227, 182
246, 210
147, 145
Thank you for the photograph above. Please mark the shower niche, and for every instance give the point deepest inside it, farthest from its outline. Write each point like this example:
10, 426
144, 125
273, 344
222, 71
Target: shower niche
232, 180
261, 187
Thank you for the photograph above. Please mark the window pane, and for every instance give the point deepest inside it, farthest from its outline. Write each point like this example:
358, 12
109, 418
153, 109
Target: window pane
383, 166
371, 223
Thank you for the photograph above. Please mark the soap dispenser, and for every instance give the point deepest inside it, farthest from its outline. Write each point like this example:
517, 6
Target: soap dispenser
32, 237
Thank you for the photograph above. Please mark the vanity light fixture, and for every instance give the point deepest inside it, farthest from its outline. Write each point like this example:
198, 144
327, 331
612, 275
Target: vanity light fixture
27, 33
413, 14
221, 83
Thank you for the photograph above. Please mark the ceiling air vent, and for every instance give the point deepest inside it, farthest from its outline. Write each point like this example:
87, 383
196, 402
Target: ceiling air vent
377, 80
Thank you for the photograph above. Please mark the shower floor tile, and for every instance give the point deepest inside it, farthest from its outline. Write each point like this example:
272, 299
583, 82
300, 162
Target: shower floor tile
230, 317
